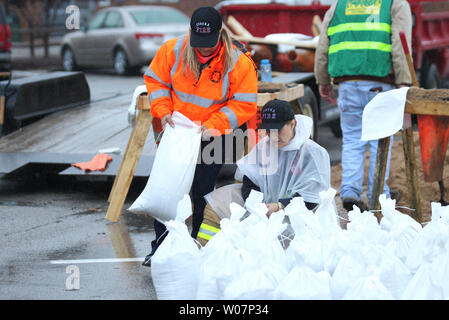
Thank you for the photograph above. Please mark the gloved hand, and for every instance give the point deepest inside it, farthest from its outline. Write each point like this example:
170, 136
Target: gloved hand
132, 110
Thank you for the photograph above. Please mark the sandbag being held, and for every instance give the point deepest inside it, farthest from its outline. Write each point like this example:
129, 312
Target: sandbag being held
173, 170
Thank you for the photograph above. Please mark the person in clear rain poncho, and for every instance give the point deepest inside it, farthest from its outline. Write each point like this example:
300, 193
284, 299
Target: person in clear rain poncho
285, 163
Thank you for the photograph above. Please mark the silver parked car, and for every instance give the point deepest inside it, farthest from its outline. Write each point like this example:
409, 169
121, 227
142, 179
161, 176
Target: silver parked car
125, 38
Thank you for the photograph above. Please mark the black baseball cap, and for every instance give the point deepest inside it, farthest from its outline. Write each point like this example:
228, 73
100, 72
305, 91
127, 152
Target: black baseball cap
275, 114
205, 26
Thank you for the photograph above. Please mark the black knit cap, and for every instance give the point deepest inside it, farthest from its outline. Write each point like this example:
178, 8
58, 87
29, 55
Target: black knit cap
275, 114
205, 26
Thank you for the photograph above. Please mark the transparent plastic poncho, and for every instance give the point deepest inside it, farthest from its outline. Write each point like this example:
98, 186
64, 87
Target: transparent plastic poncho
301, 167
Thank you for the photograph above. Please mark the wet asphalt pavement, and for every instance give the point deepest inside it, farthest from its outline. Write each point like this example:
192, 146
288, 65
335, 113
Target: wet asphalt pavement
55, 239
44, 224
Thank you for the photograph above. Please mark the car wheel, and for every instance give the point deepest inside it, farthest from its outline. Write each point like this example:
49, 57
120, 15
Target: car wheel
68, 60
309, 107
121, 64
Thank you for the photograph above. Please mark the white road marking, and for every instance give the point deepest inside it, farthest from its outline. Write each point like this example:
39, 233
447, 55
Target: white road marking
80, 261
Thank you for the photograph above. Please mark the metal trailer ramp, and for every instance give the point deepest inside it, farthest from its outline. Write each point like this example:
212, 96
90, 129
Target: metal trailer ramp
32, 97
74, 135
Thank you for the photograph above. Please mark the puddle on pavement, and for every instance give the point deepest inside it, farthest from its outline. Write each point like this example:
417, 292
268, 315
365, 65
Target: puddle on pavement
21, 204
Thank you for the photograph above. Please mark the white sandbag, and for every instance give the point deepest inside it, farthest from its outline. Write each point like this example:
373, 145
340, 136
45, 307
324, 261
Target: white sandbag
365, 228
431, 241
218, 268
440, 272
421, 286
306, 250
223, 257
368, 288
327, 212
173, 170
258, 283
302, 283
176, 264
394, 275
262, 240
348, 270
402, 229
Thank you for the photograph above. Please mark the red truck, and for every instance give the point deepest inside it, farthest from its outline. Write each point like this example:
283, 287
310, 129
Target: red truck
430, 45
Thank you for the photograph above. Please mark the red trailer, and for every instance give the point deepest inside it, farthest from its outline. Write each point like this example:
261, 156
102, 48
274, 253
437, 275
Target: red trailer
430, 43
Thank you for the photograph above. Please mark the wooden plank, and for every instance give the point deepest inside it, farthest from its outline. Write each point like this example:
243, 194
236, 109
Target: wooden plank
142, 104
289, 94
411, 171
131, 138
427, 101
2, 109
137, 142
379, 173
317, 25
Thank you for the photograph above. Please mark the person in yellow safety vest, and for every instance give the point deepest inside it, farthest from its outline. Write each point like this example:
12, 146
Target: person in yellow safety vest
286, 163
359, 49
204, 76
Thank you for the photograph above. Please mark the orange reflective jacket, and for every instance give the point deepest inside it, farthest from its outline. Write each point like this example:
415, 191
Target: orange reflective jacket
219, 101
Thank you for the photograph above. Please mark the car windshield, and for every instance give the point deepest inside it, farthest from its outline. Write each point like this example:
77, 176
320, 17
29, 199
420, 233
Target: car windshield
158, 16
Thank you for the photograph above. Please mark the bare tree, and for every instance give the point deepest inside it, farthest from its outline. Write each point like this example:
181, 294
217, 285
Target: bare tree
40, 18
50, 11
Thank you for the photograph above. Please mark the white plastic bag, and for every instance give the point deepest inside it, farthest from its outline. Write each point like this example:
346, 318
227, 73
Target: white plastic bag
302, 283
132, 110
173, 170
368, 288
348, 270
403, 229
256, 283
175, 265
421, 287
394, 275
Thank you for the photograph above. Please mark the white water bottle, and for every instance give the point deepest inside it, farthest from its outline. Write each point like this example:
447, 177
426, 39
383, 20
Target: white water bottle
265, 70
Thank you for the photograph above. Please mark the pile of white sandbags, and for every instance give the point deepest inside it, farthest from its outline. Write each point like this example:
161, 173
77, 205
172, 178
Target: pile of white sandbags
299, 254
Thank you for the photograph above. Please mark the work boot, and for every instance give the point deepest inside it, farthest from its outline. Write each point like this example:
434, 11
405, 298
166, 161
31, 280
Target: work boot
349, 202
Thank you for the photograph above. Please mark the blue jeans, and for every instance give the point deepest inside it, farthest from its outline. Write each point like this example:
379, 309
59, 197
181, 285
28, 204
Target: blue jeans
353, 96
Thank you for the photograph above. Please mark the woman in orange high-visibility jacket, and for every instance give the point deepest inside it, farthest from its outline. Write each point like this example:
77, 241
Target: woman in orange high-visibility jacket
206, 78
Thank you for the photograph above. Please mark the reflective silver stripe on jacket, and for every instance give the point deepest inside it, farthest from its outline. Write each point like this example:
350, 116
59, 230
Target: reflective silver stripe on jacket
235, 57
245, 97
208, 232
232, 118
197, 100
177, 49
159, 94
150, 73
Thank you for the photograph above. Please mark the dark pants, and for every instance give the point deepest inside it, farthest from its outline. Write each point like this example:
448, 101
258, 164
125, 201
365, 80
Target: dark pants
203, 183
